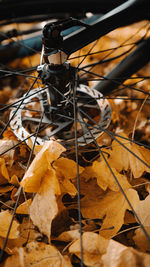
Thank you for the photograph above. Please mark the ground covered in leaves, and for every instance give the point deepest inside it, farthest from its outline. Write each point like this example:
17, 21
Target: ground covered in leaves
45, 229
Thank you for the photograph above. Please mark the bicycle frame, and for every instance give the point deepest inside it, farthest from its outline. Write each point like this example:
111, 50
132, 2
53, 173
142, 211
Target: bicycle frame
127, 13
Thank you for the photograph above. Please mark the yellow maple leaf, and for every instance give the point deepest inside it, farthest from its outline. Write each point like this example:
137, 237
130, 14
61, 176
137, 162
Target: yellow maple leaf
112, 206
115, 212
137, 167
106, 178
119, 156
33, 177
5, 219
122, 159
44, 206
66, 169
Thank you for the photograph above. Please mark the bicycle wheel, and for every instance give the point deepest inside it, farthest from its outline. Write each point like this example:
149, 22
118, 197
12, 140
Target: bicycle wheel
102, 144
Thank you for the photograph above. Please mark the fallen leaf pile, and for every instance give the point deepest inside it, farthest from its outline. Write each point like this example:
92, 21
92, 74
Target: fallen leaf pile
114, 189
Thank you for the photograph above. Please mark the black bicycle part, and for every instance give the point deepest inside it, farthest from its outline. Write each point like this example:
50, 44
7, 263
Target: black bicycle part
52, 38
17, 9
61, 77
125, 14
138, 58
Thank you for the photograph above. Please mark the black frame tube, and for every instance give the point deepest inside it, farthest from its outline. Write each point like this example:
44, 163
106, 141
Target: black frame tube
138, 58
12, 9
125, 14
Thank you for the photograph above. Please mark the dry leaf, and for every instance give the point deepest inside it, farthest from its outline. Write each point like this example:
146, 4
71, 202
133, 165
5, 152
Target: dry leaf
129, 218
5, 219
4, 176
141, 240
143, 212
38, 255
37, 148
69, 236
24, 207
6, 188
12, 244
119, 156
88, 173
44, 206
28, 231
105, 178
94, 246
14, 180
8, 134
67, 186
112, 206
115, 212
100, 252
33, 177
6, 145
137, 167
41, 178
67, 168
118, 255
121, 159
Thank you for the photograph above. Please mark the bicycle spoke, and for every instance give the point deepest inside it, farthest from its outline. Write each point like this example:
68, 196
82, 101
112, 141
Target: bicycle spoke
118, 83
121, 189
19, 194
16, 110
112, 136
9, 229
102, 51
77, 168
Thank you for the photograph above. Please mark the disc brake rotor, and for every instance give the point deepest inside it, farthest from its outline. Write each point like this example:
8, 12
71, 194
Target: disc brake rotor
93, 115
